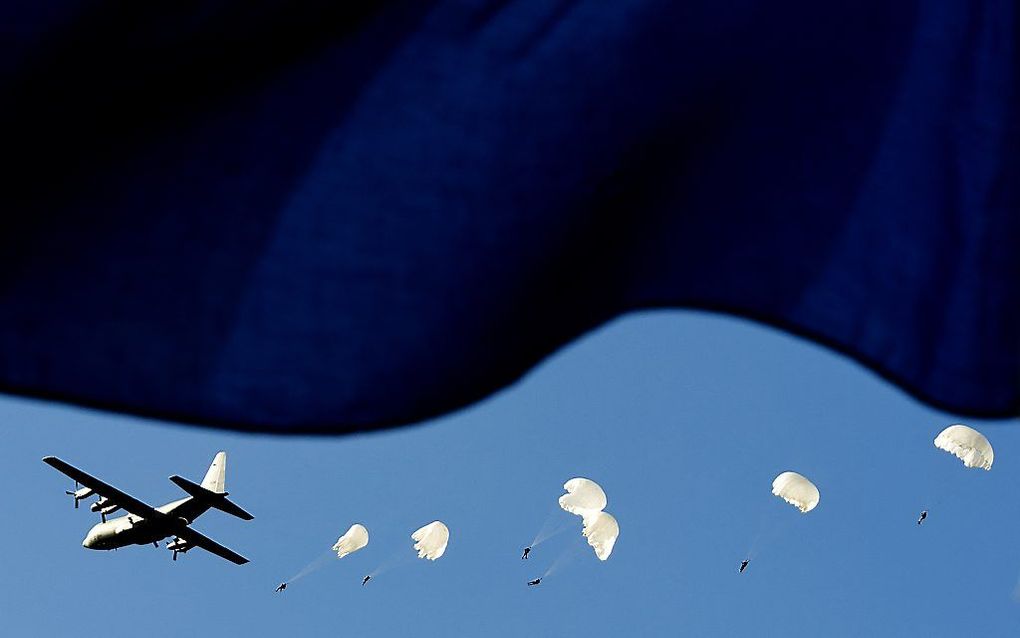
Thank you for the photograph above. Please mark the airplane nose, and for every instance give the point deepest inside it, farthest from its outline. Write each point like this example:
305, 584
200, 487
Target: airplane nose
92, 539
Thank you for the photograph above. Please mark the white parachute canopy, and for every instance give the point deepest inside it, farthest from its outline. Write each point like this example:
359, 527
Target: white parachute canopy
353, 539
601, 530
583, 495
967, 444
796, 490
431, 540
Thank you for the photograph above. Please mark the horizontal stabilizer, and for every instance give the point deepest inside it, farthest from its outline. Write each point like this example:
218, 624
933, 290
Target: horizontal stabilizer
193, 537
217, 500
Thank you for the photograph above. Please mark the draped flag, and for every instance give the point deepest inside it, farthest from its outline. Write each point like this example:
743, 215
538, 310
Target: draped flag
329, 216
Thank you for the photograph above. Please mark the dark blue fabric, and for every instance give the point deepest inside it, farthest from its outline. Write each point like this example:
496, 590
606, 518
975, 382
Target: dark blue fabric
298, 216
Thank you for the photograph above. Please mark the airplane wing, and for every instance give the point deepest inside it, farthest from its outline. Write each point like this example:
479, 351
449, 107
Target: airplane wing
132, 505
209, 545
128, 503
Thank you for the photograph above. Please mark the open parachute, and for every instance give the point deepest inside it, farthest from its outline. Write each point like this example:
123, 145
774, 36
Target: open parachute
796, 490
601, 530
431, 540
353, 539
583, 495
587, 499
966, 444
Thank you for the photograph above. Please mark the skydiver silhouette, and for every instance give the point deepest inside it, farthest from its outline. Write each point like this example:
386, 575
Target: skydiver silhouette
924, 515
534, 582
527, 550
743, 565
281, 587
367, 578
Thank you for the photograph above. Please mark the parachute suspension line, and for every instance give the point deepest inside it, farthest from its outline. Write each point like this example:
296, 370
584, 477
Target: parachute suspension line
555, 523
970, 447
318, 563
564, 559
758, 528
797, 491
775, 527
943, 487
399, 558
354, 539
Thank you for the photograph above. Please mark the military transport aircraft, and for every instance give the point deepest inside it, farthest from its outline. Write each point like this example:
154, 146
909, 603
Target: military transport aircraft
144, 524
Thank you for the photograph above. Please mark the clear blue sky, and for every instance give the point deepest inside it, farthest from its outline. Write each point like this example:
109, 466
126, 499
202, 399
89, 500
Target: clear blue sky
684, 418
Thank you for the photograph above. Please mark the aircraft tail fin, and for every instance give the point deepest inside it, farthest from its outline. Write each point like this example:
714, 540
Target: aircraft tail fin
216, 477
211, 492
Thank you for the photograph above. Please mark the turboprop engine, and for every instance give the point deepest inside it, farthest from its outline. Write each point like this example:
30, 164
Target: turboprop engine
104, 506
79, 493
178, 545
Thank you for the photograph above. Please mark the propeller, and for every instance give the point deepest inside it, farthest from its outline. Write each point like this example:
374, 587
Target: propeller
74, 493
105, 506
79, 493
176, 545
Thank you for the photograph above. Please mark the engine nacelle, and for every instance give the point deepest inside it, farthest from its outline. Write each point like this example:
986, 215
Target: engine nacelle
79, 493
178, 546
104, 506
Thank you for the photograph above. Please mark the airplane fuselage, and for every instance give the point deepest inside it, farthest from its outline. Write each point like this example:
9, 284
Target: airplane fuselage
143, 523
135, 530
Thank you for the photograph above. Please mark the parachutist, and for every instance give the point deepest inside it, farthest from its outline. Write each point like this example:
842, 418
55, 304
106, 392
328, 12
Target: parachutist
281, 587
367, 578
527, 550
743, 565
924, 515
534, 582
